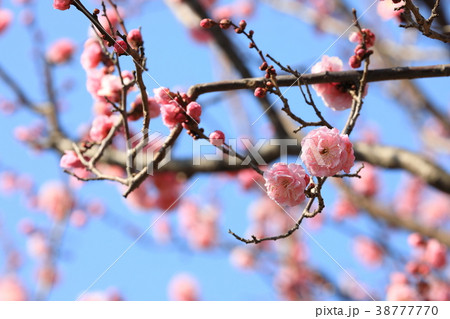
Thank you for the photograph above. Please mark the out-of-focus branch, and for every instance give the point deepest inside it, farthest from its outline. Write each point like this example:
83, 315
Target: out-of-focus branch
424, 25
23, 99
379, 212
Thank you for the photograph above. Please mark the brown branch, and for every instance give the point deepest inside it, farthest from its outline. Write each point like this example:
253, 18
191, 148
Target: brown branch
392, 218
424, 25
377, 75
143, 174
19, 92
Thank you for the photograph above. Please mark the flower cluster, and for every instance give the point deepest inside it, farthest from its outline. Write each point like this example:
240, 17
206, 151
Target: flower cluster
365, 40
325, 152
177, 108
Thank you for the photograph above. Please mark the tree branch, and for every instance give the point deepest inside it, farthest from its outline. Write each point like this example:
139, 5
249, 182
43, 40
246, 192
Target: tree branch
377, 75
392, 218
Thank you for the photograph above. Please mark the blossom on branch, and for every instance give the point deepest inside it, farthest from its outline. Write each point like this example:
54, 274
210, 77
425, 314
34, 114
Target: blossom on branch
325, 152
101, 126
334, 95
286, 183
217, 138
61, 4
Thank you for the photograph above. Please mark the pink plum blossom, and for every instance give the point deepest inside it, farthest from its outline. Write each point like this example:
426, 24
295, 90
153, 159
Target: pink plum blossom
162, 231
110, 87
200, 35
37, 245
368, 251
47, 275
61, 51
111, 294
286, 183
101, 126
92, 54
55, 199
416, 240
163, 95
134, 38
183, 287
242, 258
344, 208
8, 182
438, 291
217, 138
435, 210
136, 111
408, 199
401, 292
325, 152
61, 4
26, 226
436, 254
172, 114
187, 215
6, 17
120, 47
78, 218
11, 289
249, 178
387, 9
357, 37
194, 110
203, 234
102, 107
332, 94
93, 82
140, 198
69, 160
368, 184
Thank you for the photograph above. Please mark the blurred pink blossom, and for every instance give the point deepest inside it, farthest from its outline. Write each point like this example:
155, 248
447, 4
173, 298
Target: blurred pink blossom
344, 208
11, 289
368, 251
92, 54
6, 17
368, 184
55, 199
60, 51
386, 9
183, 287
436, 254
332, 94
101, 126
242, 258
249, 178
